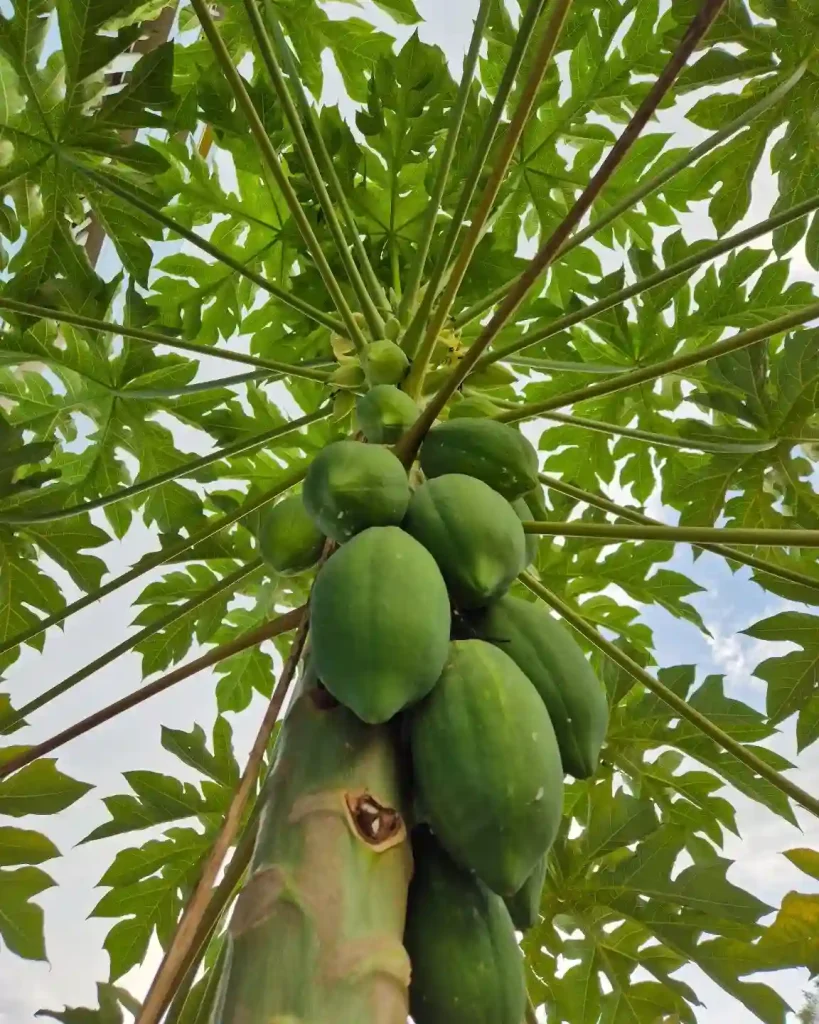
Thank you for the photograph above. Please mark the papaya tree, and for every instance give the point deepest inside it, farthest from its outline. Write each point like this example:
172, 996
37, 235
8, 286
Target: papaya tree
522, 307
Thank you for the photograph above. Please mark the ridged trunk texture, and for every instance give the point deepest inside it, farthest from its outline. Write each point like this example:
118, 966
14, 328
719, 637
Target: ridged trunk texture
316, 936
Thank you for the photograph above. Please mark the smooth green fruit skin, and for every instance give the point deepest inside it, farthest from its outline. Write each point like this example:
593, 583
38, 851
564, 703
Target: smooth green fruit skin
379, 623
289, 540
493, 452
524, 906
351, 486
487, 767
384, 413
524, 513
472, 532
547, 653
467, 967
385, 362
475, 406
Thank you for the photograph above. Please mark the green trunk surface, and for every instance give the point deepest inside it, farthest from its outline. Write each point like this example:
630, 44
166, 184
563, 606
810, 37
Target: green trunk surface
316, 936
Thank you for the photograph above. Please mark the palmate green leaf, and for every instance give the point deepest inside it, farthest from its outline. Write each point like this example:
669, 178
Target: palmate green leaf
793, 679
24, 846
152, 904
111, 1001
39, 788
191, 747
21, 921
614, 903
171, 644
110, 410
642, 721
158, 799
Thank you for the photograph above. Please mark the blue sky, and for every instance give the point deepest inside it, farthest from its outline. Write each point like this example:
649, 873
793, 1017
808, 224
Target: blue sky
729, 603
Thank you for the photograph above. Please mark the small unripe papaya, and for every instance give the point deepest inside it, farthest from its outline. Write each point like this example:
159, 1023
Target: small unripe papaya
384, 362
289, 540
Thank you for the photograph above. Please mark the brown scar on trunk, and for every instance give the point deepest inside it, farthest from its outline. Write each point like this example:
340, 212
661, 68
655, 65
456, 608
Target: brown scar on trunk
380, 826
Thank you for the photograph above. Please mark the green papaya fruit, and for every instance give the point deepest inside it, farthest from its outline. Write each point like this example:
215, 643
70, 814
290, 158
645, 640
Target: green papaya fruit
384, 413
547, 653
524, 513
491, 451
472, 532
524, 906
487, 767
474, 406
289, 540
384, 362
467, 967
379, 623
351, 486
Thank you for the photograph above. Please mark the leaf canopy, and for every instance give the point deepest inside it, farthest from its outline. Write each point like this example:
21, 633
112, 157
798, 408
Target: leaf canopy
109, 126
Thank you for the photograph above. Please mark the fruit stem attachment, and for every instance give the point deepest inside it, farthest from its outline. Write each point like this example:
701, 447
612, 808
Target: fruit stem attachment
676, 703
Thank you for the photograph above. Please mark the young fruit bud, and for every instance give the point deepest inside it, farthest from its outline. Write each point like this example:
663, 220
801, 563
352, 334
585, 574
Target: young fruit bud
348, 375
392, 328
343, 405
473, 406
384, 362
341, 346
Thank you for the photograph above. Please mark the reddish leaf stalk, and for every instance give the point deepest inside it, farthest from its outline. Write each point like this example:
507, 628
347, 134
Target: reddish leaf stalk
184, 938
282, 624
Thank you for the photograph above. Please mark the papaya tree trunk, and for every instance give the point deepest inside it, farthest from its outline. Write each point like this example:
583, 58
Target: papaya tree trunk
316, 935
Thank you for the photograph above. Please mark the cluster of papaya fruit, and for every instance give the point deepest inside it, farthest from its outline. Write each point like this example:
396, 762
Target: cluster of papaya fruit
411, 616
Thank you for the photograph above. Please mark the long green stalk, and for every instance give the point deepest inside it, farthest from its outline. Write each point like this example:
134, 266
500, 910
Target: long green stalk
416, 273
158, 338
719, 445
313, 312
153, 394
692, 36
229, 451
615, 532
676, 703
421, 316
646, 373
564, 366
283, 624
153, 561
326, 161
223, 586
644, 284
184, 937
733, 554
371, 314
649, 186
511, 138
271, 160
